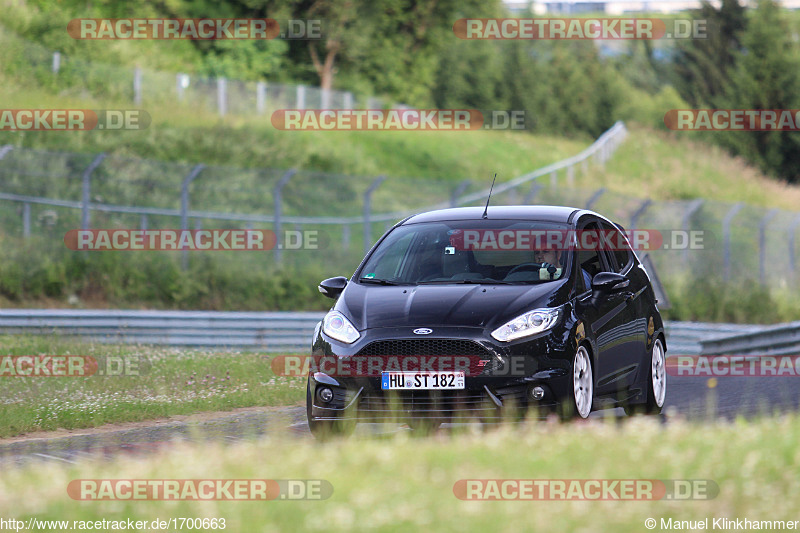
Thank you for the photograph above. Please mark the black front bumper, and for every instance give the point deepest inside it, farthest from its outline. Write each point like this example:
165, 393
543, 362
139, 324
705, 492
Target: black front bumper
501, 381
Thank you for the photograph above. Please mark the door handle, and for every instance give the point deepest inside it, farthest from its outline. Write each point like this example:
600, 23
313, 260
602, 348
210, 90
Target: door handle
628, 296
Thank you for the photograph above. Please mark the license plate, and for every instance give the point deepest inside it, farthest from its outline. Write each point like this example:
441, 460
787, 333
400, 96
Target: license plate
422, 380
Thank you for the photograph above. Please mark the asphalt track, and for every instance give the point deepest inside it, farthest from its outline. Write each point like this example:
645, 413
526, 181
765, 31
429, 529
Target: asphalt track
690, 398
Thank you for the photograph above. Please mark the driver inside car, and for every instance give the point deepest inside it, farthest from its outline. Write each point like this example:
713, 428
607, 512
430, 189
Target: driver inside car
551, 264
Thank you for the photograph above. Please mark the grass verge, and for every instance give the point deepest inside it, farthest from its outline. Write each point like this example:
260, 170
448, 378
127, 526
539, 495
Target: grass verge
191, 135
680, 166
138, 383
406, 484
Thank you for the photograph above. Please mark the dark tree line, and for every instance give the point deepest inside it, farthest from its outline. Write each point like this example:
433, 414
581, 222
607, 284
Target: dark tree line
406, 50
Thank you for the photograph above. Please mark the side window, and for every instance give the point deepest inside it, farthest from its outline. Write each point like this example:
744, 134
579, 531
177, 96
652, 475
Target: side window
620, 250
589, 265
590, 261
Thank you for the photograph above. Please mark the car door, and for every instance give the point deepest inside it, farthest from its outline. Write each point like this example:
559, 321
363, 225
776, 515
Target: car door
607, 318
632, 332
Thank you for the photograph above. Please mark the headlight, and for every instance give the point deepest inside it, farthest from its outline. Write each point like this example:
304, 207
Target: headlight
530, 323
335, 325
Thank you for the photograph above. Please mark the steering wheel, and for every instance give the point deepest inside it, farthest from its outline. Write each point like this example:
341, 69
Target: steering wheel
525, 266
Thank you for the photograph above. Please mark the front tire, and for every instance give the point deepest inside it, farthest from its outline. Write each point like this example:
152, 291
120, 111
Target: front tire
657, 387
582, 383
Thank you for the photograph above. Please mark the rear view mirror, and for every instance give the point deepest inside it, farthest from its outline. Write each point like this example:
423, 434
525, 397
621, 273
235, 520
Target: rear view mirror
332, 287
609, 282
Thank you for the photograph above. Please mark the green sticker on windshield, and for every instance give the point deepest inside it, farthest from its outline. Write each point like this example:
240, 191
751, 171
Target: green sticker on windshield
370, 275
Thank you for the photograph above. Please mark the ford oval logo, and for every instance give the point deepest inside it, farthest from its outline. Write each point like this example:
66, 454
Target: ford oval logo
423, 331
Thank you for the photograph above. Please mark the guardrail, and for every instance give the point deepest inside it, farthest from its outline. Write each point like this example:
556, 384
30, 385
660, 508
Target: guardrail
783, 339
686, 338
291, 332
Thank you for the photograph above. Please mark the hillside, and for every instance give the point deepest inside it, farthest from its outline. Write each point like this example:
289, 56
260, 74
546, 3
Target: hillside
654, 164
423, 167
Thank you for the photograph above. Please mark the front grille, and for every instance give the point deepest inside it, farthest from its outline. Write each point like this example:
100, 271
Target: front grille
425, 347
424, 403
430, 354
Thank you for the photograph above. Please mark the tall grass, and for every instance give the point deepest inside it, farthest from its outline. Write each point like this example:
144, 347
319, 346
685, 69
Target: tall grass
134, 383
406, 484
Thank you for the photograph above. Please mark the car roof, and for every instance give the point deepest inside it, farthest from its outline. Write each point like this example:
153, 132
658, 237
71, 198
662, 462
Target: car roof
546, 213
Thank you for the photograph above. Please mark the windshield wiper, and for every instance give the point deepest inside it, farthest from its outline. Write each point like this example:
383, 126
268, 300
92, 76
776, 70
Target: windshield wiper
377, 281
467, 281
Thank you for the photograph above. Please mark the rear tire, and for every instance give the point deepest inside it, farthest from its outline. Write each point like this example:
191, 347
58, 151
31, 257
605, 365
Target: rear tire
656, 384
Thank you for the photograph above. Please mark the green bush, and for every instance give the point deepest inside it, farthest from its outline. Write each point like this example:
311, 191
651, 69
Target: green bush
712, 300
649, 109
31, 274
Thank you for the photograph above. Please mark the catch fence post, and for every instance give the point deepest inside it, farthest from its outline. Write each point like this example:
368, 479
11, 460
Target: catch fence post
458, 191
762, 245
277, 195
726, 239
687, 218
86, 189
185, 207
367, 208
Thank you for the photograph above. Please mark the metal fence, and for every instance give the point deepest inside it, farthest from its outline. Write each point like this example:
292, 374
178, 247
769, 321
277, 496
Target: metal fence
48, 189
141, 86
48, 193
292, 332
287, 332
780, 339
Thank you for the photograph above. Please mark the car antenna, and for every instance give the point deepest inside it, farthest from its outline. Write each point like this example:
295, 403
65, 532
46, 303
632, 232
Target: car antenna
486, 210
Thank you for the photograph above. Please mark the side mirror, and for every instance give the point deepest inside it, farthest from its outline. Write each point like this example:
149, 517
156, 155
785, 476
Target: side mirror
609, 283
332, 287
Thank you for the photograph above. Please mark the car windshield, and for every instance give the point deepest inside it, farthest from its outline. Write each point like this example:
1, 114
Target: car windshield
472, 251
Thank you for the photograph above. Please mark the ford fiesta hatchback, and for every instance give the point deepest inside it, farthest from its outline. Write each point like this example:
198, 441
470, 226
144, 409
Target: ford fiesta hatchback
468, 312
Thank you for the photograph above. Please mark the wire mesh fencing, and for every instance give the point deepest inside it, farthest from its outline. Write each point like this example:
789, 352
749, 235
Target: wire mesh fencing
331, 219
66, 75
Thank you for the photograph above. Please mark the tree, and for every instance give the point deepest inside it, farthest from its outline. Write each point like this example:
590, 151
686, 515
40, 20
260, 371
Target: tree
396, 45
704, 67
766, 77
341, 20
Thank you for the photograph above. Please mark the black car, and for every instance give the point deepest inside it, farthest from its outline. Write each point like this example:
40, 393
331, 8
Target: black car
468, 312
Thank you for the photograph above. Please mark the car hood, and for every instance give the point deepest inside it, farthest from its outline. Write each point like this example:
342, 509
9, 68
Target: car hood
371, 306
